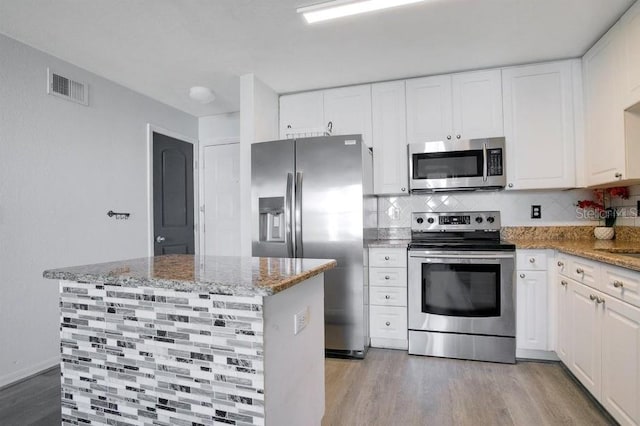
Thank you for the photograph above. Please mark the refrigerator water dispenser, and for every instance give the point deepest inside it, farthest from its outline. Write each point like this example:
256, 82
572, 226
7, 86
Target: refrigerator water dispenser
271, 219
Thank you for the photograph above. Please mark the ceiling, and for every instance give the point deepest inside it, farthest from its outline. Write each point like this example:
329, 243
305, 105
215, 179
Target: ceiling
162, 47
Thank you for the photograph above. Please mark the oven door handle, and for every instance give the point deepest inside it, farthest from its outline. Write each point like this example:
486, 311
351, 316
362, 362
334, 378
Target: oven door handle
466, 256
485, 159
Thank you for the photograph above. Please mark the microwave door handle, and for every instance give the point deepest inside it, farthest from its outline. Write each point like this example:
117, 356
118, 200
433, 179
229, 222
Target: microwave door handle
288, 216
484, 162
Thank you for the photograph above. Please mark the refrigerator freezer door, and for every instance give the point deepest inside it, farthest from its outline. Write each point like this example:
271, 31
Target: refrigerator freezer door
272, 172
330, 174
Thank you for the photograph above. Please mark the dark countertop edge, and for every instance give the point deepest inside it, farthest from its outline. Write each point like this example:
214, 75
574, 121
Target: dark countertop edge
611, 256
189, 286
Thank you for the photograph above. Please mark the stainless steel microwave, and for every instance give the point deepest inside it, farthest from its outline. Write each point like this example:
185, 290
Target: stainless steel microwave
461, 165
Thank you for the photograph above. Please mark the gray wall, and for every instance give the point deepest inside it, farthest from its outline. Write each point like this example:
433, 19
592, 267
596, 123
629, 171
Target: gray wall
62, 167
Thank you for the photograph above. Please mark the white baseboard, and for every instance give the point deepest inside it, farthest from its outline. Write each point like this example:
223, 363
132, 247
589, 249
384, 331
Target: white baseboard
25, 373
536, 355
389, 343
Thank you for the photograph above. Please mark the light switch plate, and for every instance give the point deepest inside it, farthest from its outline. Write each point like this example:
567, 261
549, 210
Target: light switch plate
300, 320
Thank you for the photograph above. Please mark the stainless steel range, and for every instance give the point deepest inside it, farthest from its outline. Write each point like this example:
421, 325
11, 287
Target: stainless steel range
461, 292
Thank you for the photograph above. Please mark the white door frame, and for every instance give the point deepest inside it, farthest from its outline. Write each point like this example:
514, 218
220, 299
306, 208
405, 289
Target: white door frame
203, 144
151, 129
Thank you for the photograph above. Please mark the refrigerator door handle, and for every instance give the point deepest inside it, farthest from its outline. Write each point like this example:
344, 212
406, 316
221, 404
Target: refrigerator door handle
298, 214
288, 216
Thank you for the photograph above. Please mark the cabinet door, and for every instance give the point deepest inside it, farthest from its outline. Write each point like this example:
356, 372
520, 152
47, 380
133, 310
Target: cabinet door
389, 138
586, 335
477, 104
604, 115
301, 113
349, 111
532, 313
631, 35
429, 109
539, 126
564, 317
621, 361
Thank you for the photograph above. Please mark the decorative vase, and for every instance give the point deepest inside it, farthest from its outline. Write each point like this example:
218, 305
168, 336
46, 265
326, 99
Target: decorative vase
604, 232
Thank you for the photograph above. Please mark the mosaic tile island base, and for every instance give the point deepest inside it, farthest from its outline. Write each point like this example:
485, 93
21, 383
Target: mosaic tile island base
190, 340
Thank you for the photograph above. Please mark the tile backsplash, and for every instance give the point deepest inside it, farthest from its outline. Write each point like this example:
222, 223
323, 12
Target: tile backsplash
558, 207
628, 209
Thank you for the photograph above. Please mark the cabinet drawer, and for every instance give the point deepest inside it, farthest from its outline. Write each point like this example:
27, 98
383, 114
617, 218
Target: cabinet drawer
621, 283
388, 296
388, 257
388, 322
396, 277
529, 260
584, 271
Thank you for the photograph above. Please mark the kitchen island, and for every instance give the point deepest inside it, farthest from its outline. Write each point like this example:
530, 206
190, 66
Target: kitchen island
190, 340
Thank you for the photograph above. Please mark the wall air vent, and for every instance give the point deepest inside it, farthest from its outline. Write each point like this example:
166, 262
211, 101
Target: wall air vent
66, 88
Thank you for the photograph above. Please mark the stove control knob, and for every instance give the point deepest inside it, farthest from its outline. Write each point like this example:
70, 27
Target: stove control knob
478, 219
420, 220
430, 220
491, 219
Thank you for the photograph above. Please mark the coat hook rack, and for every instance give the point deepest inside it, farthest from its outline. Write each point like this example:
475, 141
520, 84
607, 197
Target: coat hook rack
124, 216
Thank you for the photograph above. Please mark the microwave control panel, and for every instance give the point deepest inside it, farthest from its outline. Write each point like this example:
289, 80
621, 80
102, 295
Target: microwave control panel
494, 162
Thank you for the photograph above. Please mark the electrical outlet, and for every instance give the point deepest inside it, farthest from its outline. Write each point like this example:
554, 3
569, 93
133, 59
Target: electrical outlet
638, 208
300, 320
536, 211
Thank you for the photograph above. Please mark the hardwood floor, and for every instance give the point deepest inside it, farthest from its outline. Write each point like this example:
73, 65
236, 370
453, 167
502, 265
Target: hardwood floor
393, 388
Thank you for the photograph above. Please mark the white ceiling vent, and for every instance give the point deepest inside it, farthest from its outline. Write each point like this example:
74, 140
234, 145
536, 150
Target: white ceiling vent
66, 88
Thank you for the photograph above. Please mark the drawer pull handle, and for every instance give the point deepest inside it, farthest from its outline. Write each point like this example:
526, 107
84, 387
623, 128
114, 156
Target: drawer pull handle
387, 323
522, 275
532, 260
599, 300
560, 264
387, 277
387, 296
386, 258
563, 283
618, 284
593, 297
579, 271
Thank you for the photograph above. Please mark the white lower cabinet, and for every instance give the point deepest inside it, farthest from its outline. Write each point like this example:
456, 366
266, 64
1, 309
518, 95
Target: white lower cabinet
599, 336
388, 298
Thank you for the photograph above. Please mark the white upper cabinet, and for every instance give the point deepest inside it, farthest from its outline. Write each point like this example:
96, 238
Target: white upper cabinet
604, 117
389, 138
631, 35
477, 104
539, 125
458, 106
429, 109
348, 109
302, 113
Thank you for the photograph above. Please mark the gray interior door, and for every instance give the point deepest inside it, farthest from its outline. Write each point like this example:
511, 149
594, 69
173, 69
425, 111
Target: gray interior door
173, 221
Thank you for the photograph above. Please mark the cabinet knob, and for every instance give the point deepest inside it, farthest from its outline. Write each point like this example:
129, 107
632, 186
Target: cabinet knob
563, 283
457, 136
448, 137
579, 271
387, 277
386, 296
532, 260
403, 189
510, 185
522, 275
387, 323
560, 264
593, 297
618, 284
618, 175
288, 126
386, 258
599, 300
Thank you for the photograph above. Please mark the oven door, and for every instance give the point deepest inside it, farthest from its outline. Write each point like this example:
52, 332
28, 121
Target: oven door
462, 292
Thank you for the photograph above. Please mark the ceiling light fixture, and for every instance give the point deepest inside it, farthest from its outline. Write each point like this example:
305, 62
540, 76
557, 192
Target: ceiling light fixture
201, 94
341, 8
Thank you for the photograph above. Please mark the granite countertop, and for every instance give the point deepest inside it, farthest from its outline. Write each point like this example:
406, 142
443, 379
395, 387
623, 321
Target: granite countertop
607, 251
389, 243
237, 276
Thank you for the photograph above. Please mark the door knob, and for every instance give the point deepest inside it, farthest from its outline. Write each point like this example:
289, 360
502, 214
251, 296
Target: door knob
160, 239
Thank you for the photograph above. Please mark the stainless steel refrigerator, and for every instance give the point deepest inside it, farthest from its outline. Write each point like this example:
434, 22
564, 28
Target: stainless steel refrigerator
313, 198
